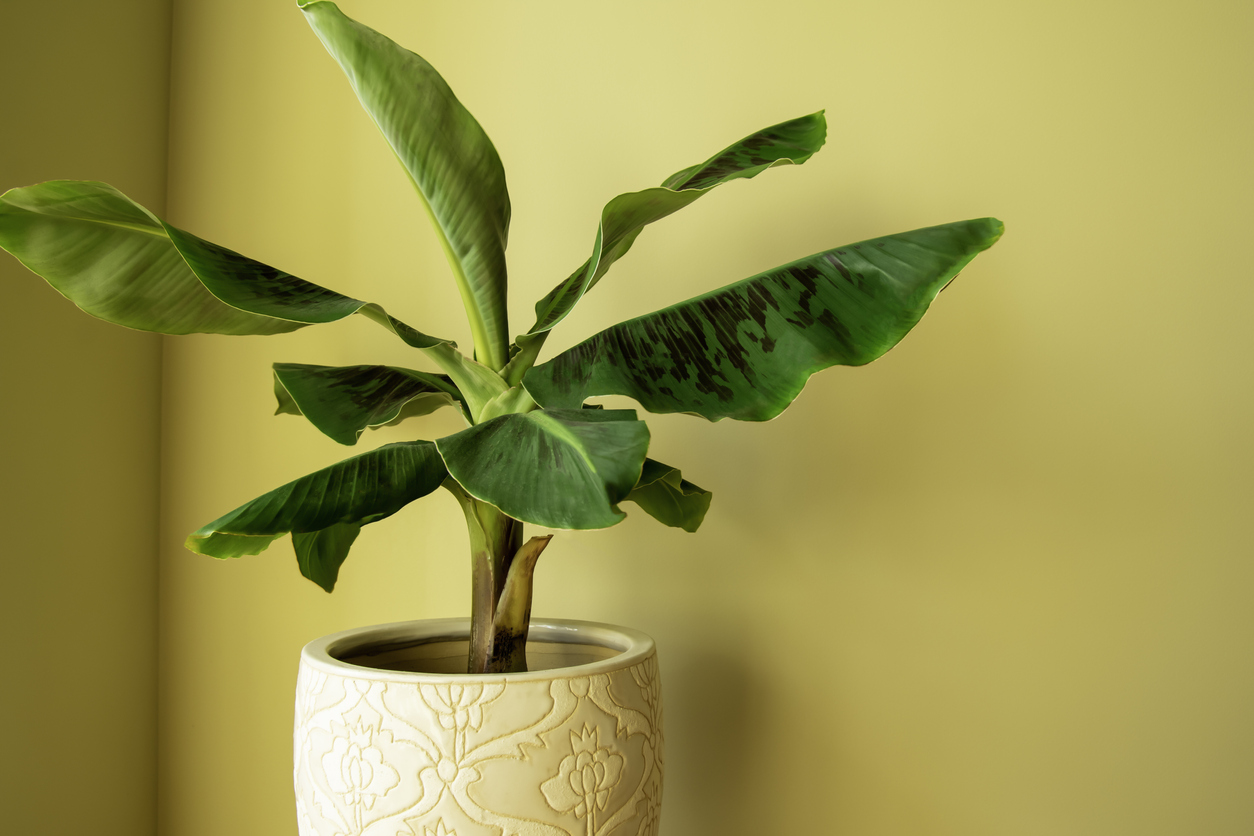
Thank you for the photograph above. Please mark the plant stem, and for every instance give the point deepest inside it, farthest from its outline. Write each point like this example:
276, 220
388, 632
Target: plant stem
513, 610
494, 541
478, 383
529, 349
490, 564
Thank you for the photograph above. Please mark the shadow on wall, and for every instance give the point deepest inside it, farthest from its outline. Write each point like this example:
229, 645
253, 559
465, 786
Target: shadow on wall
724, 698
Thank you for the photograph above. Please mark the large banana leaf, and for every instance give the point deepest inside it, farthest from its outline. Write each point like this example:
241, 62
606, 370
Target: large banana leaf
119, 262
564, 469
746, 351
624, 217
670, 499
325, 509
342, 401
449, 158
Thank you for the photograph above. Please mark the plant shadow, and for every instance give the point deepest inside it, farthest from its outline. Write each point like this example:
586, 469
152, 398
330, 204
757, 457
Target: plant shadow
716, 746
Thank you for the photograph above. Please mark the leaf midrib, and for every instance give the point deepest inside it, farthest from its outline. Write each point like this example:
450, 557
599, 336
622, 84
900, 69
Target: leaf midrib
478, 326
550, 425
154, 231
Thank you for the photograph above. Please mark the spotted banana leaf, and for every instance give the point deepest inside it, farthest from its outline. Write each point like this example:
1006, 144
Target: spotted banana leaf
450, 160
562, 468
343, 401
119, 262
623, 218
325, 509
746, 351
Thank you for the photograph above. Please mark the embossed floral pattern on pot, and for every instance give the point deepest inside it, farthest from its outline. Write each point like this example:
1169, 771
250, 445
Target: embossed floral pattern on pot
572, 751
355, 769
585, 777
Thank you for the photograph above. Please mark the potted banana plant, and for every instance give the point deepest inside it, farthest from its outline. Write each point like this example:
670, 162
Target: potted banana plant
427, 722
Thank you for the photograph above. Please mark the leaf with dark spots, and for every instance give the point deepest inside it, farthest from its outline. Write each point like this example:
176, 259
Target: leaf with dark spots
730, 354
794, 140
343, 401
565, 469
788, 143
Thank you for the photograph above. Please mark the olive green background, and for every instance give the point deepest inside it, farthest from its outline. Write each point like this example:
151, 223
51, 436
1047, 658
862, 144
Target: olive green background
999, 581
85, 96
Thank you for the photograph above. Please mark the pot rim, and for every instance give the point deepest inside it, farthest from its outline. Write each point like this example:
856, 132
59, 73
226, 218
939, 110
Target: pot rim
633, 646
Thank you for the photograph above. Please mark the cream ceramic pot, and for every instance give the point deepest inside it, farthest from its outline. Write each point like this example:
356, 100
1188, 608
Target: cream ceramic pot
391, 741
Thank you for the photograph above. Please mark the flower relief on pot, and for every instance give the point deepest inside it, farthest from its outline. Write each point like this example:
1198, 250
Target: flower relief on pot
438, 830
585, 778
355, 769
564, 756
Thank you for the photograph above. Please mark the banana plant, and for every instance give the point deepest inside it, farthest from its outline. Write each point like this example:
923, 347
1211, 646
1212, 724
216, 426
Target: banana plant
534, 450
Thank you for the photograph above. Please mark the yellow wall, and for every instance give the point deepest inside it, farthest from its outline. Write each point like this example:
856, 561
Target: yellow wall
996, 583
85, 93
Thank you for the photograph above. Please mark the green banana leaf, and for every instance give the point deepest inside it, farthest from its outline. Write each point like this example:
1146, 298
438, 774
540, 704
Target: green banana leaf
746, 351
332, 503
119, 262
623, 218
343, 401
565, 469
666, 496
320, 554
448, 157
